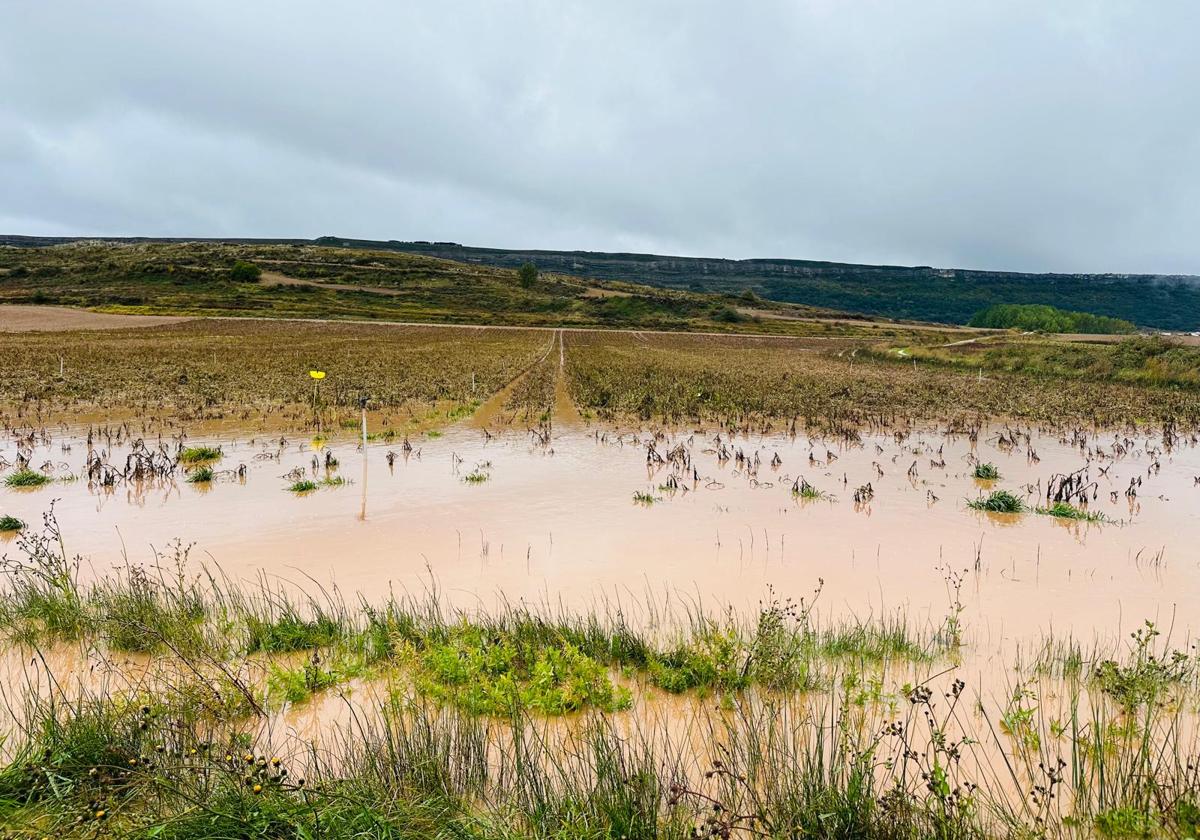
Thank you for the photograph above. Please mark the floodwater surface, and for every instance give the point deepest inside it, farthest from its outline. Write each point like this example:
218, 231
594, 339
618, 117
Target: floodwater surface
641, 517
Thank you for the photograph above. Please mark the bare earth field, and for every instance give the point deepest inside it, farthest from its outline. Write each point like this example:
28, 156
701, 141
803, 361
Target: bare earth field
59, 318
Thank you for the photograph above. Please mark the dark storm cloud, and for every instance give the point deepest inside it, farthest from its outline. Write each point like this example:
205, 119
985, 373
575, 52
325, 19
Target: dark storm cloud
1029, 135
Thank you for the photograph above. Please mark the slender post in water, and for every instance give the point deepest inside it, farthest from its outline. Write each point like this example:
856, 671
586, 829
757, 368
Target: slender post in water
362, 513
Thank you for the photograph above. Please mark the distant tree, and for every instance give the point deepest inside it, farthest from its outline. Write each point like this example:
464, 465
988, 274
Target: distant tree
245, 272
527, 274
1043, 318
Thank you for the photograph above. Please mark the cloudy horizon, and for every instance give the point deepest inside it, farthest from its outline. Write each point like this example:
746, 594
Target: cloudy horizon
993, 135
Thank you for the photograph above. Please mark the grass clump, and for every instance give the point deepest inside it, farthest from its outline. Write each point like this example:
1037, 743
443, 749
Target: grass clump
1066, 510
200, 475
26, 477
715, 659
482, 674
481, 473
200, 454
9, 524
801, 489
140, 614
290, 631
643, 498
986, 472
998, 501
42, 597
307, 485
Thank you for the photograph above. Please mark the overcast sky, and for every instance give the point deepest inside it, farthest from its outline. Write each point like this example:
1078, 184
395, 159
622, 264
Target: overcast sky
1033, 135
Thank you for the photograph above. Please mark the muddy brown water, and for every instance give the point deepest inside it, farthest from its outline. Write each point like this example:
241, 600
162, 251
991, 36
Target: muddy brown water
559, 523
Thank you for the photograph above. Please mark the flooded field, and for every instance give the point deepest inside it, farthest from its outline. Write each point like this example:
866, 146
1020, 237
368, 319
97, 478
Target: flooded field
869, 551
627, 516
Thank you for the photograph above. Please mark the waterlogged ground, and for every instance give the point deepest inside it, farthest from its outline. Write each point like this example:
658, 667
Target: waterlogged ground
511, 516
653, 525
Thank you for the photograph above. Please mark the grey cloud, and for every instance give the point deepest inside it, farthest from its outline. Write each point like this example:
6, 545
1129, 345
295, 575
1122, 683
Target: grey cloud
1011, 134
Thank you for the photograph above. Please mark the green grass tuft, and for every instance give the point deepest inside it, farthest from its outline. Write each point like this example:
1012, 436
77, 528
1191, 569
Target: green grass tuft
10, 523
200, 475
998, 501
986, 472
1066, 510
26, 477
200, 454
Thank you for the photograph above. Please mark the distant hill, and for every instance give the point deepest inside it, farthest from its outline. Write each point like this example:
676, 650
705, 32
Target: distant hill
922, 293
300, 279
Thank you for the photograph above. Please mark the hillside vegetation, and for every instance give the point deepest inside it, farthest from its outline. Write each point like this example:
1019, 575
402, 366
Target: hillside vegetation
1147, 360
1041, 318
310, 281
923, 293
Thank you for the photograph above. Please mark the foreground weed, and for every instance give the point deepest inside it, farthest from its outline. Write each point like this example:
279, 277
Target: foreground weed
42, 596
1147, 676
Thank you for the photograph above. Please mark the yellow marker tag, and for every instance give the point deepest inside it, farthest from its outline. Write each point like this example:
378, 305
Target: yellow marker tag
317, 374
